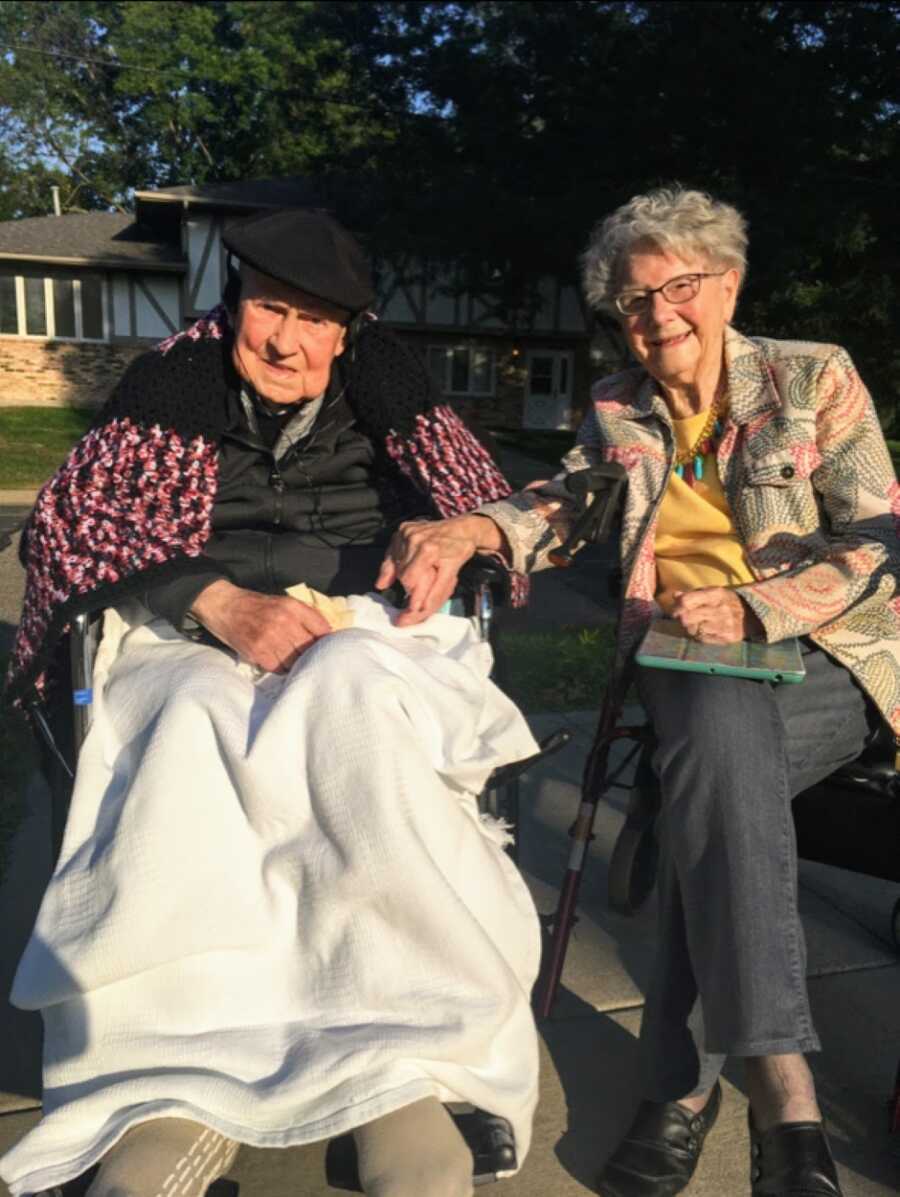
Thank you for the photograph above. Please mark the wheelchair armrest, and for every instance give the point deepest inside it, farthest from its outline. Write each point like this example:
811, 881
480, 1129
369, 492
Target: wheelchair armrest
508, 773
876, 766
599, 493
879, 776
477, 573
481, 571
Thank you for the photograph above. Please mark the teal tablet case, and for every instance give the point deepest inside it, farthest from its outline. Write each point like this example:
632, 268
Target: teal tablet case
667, 646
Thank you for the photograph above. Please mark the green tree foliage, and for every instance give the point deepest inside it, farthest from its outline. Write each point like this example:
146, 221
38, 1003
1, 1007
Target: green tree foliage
556, 114
141, 95
496, 133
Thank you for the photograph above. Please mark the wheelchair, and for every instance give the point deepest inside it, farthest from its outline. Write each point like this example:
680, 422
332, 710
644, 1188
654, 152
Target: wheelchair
850, 820
482, 591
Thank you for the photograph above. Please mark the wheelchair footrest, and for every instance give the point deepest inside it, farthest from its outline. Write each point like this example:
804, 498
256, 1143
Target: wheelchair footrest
507, 773
488, 1137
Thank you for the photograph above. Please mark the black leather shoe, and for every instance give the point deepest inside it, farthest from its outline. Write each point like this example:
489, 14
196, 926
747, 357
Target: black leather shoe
792, 1159
659, 1153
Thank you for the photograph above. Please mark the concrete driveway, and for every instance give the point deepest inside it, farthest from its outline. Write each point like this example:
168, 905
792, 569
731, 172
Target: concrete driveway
588, 1085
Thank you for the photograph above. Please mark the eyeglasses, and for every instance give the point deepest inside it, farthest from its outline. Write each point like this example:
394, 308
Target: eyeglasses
675, 290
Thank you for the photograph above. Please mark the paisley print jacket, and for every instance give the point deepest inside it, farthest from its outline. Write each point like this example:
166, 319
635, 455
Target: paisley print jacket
812, 491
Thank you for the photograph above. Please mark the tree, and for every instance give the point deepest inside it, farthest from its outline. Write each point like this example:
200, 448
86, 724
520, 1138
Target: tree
494, 134
141, 95
553, 114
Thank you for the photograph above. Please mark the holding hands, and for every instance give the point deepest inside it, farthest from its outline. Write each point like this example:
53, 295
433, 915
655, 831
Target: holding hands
715, 615
426, 557
272, 631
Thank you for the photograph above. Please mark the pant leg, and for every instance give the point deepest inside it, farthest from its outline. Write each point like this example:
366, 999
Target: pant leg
731, 754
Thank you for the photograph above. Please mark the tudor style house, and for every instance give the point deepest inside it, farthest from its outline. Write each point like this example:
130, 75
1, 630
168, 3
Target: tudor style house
81, 294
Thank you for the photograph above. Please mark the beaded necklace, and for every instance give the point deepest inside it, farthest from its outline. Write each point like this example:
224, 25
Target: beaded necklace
689, 462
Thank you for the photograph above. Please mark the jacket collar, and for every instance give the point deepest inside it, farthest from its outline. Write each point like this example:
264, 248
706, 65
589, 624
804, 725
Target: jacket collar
750, 389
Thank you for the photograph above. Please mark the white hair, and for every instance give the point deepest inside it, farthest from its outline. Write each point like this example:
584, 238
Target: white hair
690, 224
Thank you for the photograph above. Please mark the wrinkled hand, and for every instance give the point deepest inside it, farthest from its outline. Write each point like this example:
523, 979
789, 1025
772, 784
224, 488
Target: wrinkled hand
426, 557
267, 630
715, 615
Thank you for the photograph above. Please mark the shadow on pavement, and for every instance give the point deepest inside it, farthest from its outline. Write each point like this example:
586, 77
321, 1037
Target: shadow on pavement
596, 1061
20, 898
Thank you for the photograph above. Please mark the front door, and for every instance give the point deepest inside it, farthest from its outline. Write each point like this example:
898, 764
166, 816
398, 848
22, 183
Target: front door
548, 391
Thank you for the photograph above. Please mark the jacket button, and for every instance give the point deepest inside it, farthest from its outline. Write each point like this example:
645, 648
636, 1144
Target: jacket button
756, 1174
787, 471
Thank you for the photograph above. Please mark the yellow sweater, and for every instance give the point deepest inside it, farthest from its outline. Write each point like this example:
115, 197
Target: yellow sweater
696, 540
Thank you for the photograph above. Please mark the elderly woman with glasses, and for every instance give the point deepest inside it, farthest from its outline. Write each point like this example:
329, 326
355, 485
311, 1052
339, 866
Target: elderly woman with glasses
761, 505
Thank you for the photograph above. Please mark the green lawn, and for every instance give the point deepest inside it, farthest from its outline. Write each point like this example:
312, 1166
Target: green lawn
563, 670
34, 440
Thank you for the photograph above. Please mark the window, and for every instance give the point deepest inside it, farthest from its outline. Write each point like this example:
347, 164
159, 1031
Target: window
462, 370
9, 320
59, 308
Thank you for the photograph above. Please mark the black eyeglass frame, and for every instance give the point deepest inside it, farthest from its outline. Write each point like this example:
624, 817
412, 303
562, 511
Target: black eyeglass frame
645, 293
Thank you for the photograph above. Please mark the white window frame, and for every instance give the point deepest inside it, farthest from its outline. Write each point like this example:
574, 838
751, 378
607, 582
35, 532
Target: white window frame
50, 334
446, 381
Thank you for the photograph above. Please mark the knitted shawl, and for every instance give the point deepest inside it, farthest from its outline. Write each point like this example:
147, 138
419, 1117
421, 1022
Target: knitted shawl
132, 504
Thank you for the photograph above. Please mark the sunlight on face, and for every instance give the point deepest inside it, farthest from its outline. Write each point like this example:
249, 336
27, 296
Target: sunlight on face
678, 343
285, 340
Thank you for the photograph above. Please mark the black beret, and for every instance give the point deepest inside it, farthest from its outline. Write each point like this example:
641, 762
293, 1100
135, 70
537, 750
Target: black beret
308, 250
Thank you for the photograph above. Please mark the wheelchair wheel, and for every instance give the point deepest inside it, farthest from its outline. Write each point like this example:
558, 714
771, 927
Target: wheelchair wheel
632, 868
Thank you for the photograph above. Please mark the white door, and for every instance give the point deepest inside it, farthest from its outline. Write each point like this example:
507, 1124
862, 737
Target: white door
548, 390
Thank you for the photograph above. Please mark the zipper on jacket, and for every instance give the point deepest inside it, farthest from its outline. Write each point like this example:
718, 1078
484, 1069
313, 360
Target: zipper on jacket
277, 484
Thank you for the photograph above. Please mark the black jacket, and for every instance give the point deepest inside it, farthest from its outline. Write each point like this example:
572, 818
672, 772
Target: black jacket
311, 507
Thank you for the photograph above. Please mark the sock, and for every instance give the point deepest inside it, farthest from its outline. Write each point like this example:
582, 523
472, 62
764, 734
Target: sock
165, 1157
414, 1152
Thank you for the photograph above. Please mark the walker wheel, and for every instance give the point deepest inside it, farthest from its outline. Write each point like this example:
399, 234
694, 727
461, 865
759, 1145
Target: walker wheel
632, 869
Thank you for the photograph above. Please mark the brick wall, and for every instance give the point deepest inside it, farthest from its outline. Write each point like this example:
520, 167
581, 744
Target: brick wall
61, 373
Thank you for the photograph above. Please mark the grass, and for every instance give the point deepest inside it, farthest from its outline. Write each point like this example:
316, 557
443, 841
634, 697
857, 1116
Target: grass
34, 440
563, 670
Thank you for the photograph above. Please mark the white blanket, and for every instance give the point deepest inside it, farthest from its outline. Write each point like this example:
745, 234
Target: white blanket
277, 910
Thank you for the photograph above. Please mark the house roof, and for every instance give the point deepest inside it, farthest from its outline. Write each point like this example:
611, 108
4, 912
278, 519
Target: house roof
294, 191
89, 239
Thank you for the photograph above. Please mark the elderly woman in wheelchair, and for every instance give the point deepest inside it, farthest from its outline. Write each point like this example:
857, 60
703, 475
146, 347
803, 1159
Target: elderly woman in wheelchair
761, 506
277, 914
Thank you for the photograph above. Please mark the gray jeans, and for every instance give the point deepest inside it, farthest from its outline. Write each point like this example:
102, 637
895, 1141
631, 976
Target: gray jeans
731, 754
